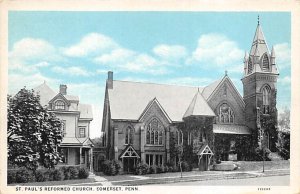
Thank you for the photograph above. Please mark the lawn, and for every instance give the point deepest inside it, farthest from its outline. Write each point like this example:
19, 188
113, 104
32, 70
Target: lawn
269, 165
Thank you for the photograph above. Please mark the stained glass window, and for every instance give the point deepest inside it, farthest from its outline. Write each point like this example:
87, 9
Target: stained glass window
129, 135
226, 114
154, 133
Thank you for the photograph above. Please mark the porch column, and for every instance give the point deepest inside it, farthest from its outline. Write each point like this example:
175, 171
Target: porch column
80, 155
168, 144
91, 160
143, 136
116, 140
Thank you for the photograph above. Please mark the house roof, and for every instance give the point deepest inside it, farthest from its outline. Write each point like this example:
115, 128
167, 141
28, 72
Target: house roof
85, 111
198, 107
129, 99
47, 94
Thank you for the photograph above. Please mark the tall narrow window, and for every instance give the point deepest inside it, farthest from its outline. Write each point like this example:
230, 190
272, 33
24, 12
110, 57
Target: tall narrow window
154, 133
265, 63
81, 132
129, 135
63, 127
226, 114
266, 99
59, 105
250, 66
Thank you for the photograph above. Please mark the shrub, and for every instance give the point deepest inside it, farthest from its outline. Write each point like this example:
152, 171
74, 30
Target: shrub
58, 175
111, 167
141, 169
185, 166
73, 172
67, 174
83, 173
160, 169
153, 169
39, 176
24, 176
11, 176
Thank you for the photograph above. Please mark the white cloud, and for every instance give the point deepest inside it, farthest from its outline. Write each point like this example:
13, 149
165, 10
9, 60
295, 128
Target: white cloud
170, 52
93, 43
216, 50
72, 71
30, 48
118, 55
282, 55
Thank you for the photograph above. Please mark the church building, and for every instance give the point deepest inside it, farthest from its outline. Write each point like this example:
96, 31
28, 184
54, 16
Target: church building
145, 122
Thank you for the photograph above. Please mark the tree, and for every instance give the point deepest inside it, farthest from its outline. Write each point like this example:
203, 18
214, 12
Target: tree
283, 142
33, 133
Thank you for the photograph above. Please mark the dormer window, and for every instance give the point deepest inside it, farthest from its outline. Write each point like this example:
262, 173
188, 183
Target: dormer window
59, 105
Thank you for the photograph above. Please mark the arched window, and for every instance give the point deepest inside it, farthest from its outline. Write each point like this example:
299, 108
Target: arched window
154, 133
250, 66
266, 99
226, 114
129, 135
59, 105
265, 63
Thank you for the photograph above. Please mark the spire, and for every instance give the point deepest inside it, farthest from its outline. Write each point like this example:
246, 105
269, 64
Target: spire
259, 44
273, 62
246, 57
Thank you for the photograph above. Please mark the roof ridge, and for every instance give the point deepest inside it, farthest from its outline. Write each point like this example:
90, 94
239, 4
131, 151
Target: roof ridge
166, 84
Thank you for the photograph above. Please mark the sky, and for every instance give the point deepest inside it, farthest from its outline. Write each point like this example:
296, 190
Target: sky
182, 48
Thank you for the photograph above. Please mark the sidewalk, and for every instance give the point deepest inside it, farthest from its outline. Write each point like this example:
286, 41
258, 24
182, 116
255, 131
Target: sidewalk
134, 180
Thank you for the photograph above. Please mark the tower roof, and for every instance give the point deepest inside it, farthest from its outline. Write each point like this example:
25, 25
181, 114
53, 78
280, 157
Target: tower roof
259, 44
198, 107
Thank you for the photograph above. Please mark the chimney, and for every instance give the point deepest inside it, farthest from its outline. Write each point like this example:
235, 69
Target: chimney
63, 89
109, 81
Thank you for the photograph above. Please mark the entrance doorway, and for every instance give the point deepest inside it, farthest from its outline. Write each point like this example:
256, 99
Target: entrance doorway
204, 156
129, 164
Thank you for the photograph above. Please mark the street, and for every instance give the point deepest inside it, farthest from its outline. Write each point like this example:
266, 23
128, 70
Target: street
258, 181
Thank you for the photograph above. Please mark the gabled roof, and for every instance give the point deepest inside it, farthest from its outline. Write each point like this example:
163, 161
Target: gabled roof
45, 92
215, 87
85, 111
128, 100
155, 101
205, 149
59, 95
208, 90
128, 152
199, 107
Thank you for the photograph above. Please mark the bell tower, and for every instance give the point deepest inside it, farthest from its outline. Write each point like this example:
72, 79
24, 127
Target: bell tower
259, 82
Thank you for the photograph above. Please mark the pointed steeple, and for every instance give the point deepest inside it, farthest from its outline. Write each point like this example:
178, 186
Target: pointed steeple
259, 44
198, 107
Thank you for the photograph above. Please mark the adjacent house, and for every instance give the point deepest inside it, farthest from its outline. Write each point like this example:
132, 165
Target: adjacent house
143, 122
76, 146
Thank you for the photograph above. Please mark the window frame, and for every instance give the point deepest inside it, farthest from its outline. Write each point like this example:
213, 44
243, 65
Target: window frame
129, 135
229, 117
59, 105
155, 133
79, 132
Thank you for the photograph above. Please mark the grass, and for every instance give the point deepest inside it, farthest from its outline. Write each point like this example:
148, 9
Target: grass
258, 165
